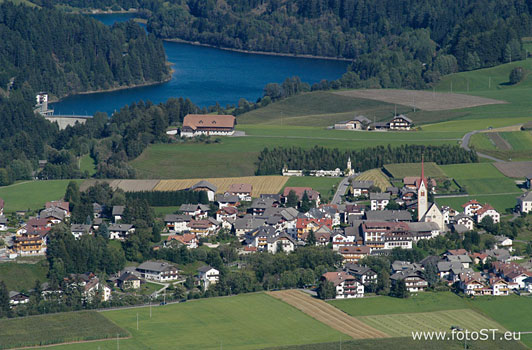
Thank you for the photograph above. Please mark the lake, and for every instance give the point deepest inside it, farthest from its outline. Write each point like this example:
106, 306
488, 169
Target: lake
206, 76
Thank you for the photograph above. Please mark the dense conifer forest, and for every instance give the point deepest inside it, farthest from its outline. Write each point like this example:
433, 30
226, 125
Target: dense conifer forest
405, 43
48, 50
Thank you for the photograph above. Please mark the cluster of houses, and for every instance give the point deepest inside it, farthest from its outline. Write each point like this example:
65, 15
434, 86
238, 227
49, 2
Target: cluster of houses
398, 122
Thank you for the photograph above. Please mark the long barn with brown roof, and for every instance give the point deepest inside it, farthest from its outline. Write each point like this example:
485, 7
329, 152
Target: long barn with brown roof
207, 124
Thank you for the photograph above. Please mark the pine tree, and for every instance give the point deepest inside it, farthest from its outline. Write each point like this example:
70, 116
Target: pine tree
292, 199
5, 309
311, 238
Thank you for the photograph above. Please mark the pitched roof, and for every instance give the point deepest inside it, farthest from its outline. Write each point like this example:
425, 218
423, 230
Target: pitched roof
336, 278
389, 215
362, 184
198, 121
240, 188
177, 218
206, 268
204, 184
484, 209
379, 196
120, 227
527, 197
118, 210
157, 266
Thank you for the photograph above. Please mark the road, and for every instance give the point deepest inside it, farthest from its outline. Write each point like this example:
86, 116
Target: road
340, 191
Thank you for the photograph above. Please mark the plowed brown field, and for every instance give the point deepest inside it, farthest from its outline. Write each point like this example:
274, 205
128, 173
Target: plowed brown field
328, 314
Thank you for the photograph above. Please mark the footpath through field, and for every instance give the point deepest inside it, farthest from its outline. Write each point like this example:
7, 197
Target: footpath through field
328, 314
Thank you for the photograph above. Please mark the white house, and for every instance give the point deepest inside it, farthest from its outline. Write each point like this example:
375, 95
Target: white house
242, 191
525, 202
471, 207
465, 220
346, 286
157, 271
208, 124
488, 211
176, 223
208, 276
79, 230
120, 231
379, 201
3, 223
207, 187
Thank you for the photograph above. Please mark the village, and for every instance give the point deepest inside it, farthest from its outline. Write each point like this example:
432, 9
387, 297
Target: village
283, 223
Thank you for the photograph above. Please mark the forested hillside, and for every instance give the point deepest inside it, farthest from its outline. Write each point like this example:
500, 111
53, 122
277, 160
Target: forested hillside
395, 43
48, 50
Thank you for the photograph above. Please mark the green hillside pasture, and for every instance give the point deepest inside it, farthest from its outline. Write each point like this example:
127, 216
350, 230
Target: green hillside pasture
480, 178
407, 343
86, 163
251, 321
57, 328
402, 325
20, 277
399, 171
319, 108
512, 312
499, 201
236, 156
519, 140
481, 141
491, 83
326, 186
383, 305
32, 194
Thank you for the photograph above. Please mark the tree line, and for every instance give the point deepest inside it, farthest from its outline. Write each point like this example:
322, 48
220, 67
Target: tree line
272, 161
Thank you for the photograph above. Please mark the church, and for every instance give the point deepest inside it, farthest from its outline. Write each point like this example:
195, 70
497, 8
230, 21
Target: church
427, 212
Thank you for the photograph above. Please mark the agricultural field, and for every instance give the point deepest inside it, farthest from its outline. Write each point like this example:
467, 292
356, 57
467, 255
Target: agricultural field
377, 176
328, 314
402, 325
326, 186
383, 305
261, 184
400, 171
57, 328
424, 100
515, 169
19, 277
407, 343
237, 156
319, 108
32, 195
481, 178
515, 145
250, 321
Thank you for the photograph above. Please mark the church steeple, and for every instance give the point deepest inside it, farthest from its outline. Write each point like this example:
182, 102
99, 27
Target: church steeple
422, 195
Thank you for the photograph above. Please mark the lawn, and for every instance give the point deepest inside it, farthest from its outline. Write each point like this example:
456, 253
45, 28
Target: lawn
519, 141
251, 321
512, 312
399, 171
149, 288
480, 178
32, 194
326, 186
382, 305
19, 277
237, 156
162, 211
86, 163
57, 328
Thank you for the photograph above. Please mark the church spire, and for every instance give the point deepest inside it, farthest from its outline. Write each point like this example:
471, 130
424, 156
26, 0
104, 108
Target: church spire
422, 167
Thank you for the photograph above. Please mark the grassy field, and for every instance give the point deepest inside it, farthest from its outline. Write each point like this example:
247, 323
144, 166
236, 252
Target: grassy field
326, 186
86, 163
19, 277
236, 156
402, 325
383, 305
407, 343
516, 145
480, 178
57, 328
399, 171
32, 194
252, 321
162, 211
320, 108
377, 176
512, 312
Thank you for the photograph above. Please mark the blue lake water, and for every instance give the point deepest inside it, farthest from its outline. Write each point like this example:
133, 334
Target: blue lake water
206, 76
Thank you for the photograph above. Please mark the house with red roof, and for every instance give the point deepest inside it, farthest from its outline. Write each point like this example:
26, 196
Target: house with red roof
471, 207
208, 124
487, 211
346, 286
299, 191
305, 225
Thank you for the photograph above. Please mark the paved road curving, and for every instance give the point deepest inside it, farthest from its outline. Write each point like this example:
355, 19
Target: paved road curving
340, 191
465, 145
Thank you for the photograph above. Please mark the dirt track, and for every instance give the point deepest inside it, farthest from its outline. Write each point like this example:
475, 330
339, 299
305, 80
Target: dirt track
424, 100
328, 314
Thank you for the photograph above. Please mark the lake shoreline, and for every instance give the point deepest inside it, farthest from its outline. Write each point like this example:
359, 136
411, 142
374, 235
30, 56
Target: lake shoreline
118, 88
266, 53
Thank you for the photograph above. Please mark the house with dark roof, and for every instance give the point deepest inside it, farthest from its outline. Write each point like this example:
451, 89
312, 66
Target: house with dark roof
177, 223
361, 187
196, 211
117, 212
525, 202
242, 191
79, 230
362, 273
227, 200
379, 201
208, 276
414, 280
158, 271
127, 280
120, 231
206, 186
400, 122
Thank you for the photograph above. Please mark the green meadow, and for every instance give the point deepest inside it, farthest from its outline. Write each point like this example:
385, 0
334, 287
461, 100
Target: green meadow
32, 195
19, 277
480, 178
251, 321
326, 186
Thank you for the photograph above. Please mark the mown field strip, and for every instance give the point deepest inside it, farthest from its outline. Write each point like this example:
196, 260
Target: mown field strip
401, 325
328, 315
